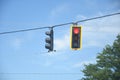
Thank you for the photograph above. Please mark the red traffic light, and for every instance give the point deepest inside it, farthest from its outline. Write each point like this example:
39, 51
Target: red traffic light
76, 37
76, 30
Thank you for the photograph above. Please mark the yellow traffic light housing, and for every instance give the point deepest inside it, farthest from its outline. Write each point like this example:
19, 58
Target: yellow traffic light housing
76, 37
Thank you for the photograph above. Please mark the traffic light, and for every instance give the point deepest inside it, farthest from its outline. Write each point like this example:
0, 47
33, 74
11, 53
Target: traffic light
76, 37
49, 40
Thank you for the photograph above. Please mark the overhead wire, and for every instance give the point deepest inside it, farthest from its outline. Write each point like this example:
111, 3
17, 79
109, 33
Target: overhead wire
98, 17
58, 25
23, 30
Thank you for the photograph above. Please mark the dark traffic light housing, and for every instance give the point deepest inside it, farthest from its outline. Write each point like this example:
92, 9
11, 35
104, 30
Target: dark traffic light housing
49, 40
76, 37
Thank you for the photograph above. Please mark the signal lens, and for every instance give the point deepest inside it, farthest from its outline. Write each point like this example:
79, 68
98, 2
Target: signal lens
76, 30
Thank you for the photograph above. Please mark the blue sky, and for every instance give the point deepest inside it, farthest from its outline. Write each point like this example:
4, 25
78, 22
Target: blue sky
24, 52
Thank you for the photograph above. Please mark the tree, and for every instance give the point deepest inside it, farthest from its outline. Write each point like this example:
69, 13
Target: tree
107, 66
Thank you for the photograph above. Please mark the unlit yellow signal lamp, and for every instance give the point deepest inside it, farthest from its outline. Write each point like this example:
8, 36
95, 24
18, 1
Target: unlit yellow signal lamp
76, 37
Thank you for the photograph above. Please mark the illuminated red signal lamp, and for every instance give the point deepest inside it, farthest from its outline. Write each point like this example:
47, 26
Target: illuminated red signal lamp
76, 30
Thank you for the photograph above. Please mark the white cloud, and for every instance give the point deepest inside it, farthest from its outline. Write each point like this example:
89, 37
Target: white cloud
81, 64
17, 42
93, 43
62, 43
58, 10
80, 17
110, 30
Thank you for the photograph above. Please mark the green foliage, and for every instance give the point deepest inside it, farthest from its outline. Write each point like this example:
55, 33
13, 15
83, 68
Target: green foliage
107, 66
